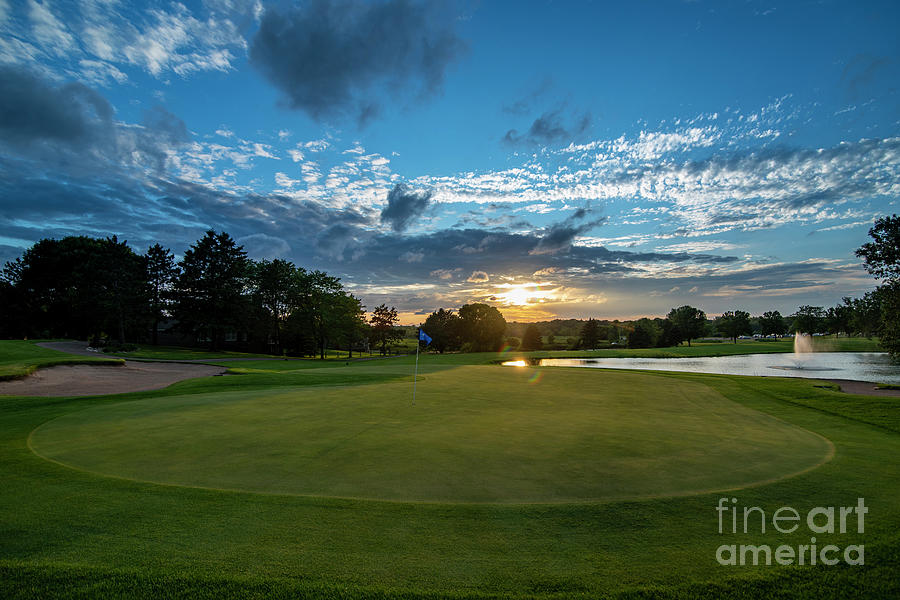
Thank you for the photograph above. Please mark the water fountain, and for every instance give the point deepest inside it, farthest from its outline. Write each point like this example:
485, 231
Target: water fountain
803, 349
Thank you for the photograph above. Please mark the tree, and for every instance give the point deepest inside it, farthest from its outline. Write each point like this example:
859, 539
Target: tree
590, 334
382, 323
838, 318
349, 320
644, 334
275, 295
123, 291
669, 335
210, 288
482, 327
689, 322
882, 254
807, 319
734, 323
320, 306
866, 318
78, 287
882, 259
772, 323
161, 276
443, 327
532, 338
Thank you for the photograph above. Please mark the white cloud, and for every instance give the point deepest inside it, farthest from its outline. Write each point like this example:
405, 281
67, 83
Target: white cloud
50, 33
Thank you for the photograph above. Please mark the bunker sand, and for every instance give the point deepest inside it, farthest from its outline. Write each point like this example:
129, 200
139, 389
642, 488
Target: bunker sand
93, 380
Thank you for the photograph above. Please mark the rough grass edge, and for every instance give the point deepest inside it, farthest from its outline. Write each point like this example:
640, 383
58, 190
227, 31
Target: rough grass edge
25, 371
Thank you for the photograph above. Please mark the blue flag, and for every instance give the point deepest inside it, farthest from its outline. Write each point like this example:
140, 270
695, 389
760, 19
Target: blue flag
424, 337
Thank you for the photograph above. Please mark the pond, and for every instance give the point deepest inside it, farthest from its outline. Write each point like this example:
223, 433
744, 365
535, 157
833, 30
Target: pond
861, 366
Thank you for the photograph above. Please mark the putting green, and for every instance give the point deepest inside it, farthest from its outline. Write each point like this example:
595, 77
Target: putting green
476, 434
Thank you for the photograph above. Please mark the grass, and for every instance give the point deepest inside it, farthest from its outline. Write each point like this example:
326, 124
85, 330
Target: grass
66, 532
619, 437
20, 358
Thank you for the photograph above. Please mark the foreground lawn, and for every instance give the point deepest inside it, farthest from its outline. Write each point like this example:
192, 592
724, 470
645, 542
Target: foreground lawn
476, 434
19, 358
69, 532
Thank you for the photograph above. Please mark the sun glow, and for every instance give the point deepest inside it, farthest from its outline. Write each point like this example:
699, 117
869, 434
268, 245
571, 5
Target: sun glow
522, 294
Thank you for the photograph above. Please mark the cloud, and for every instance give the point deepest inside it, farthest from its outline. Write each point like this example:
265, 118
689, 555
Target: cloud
34, 111
260, 246
403, 206
478, 277
93, 39
72, 126
560, 236
333, 59
526, 102
550, 129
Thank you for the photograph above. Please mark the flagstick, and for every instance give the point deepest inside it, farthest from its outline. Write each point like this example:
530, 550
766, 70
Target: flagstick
416, 376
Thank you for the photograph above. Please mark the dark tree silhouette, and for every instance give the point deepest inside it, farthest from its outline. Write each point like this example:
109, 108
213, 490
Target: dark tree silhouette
161, 276
210, 289
689, 321
532, 338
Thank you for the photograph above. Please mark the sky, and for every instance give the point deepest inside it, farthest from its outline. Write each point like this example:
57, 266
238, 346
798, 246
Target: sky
553, 159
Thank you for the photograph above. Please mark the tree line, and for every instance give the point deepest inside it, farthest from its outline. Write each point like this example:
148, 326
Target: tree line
90, 288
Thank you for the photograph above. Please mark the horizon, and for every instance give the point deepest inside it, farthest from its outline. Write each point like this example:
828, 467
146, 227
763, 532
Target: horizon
608, 162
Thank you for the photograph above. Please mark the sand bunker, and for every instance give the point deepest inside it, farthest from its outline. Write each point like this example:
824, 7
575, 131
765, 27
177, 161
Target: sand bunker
92, 380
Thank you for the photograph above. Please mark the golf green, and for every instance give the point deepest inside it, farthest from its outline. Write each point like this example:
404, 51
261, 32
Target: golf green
476, 434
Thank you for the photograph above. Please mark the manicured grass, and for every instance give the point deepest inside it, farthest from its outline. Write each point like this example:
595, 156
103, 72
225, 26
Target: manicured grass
70, 533
19, 358
618, 437
179, 353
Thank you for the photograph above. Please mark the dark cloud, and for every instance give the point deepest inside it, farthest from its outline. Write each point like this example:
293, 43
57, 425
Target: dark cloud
403, 206
526, 103
560, 236
334, 58
34, 111
864, 69
72, 127
552, 127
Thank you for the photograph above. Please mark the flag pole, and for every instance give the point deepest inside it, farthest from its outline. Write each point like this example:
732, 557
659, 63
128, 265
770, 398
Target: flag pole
416, 375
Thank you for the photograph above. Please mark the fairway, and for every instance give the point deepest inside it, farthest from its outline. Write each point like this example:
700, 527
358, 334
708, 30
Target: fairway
477, 434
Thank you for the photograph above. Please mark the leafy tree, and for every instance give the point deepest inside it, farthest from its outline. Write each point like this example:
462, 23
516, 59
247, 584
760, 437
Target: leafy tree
808, 319
890, 317
210, 289
590, 334
838, 318
161, 276
382, 324
866, 318
882, 254
644, 334
689, 322
669, 335
734, 323
614, 334
350, 320
123, 291
772, 323
320, 306
532, 338
275, 293
443, 327
882, 259
78, 287
482, 327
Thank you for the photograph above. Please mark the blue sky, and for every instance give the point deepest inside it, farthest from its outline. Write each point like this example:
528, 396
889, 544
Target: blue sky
556, 159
